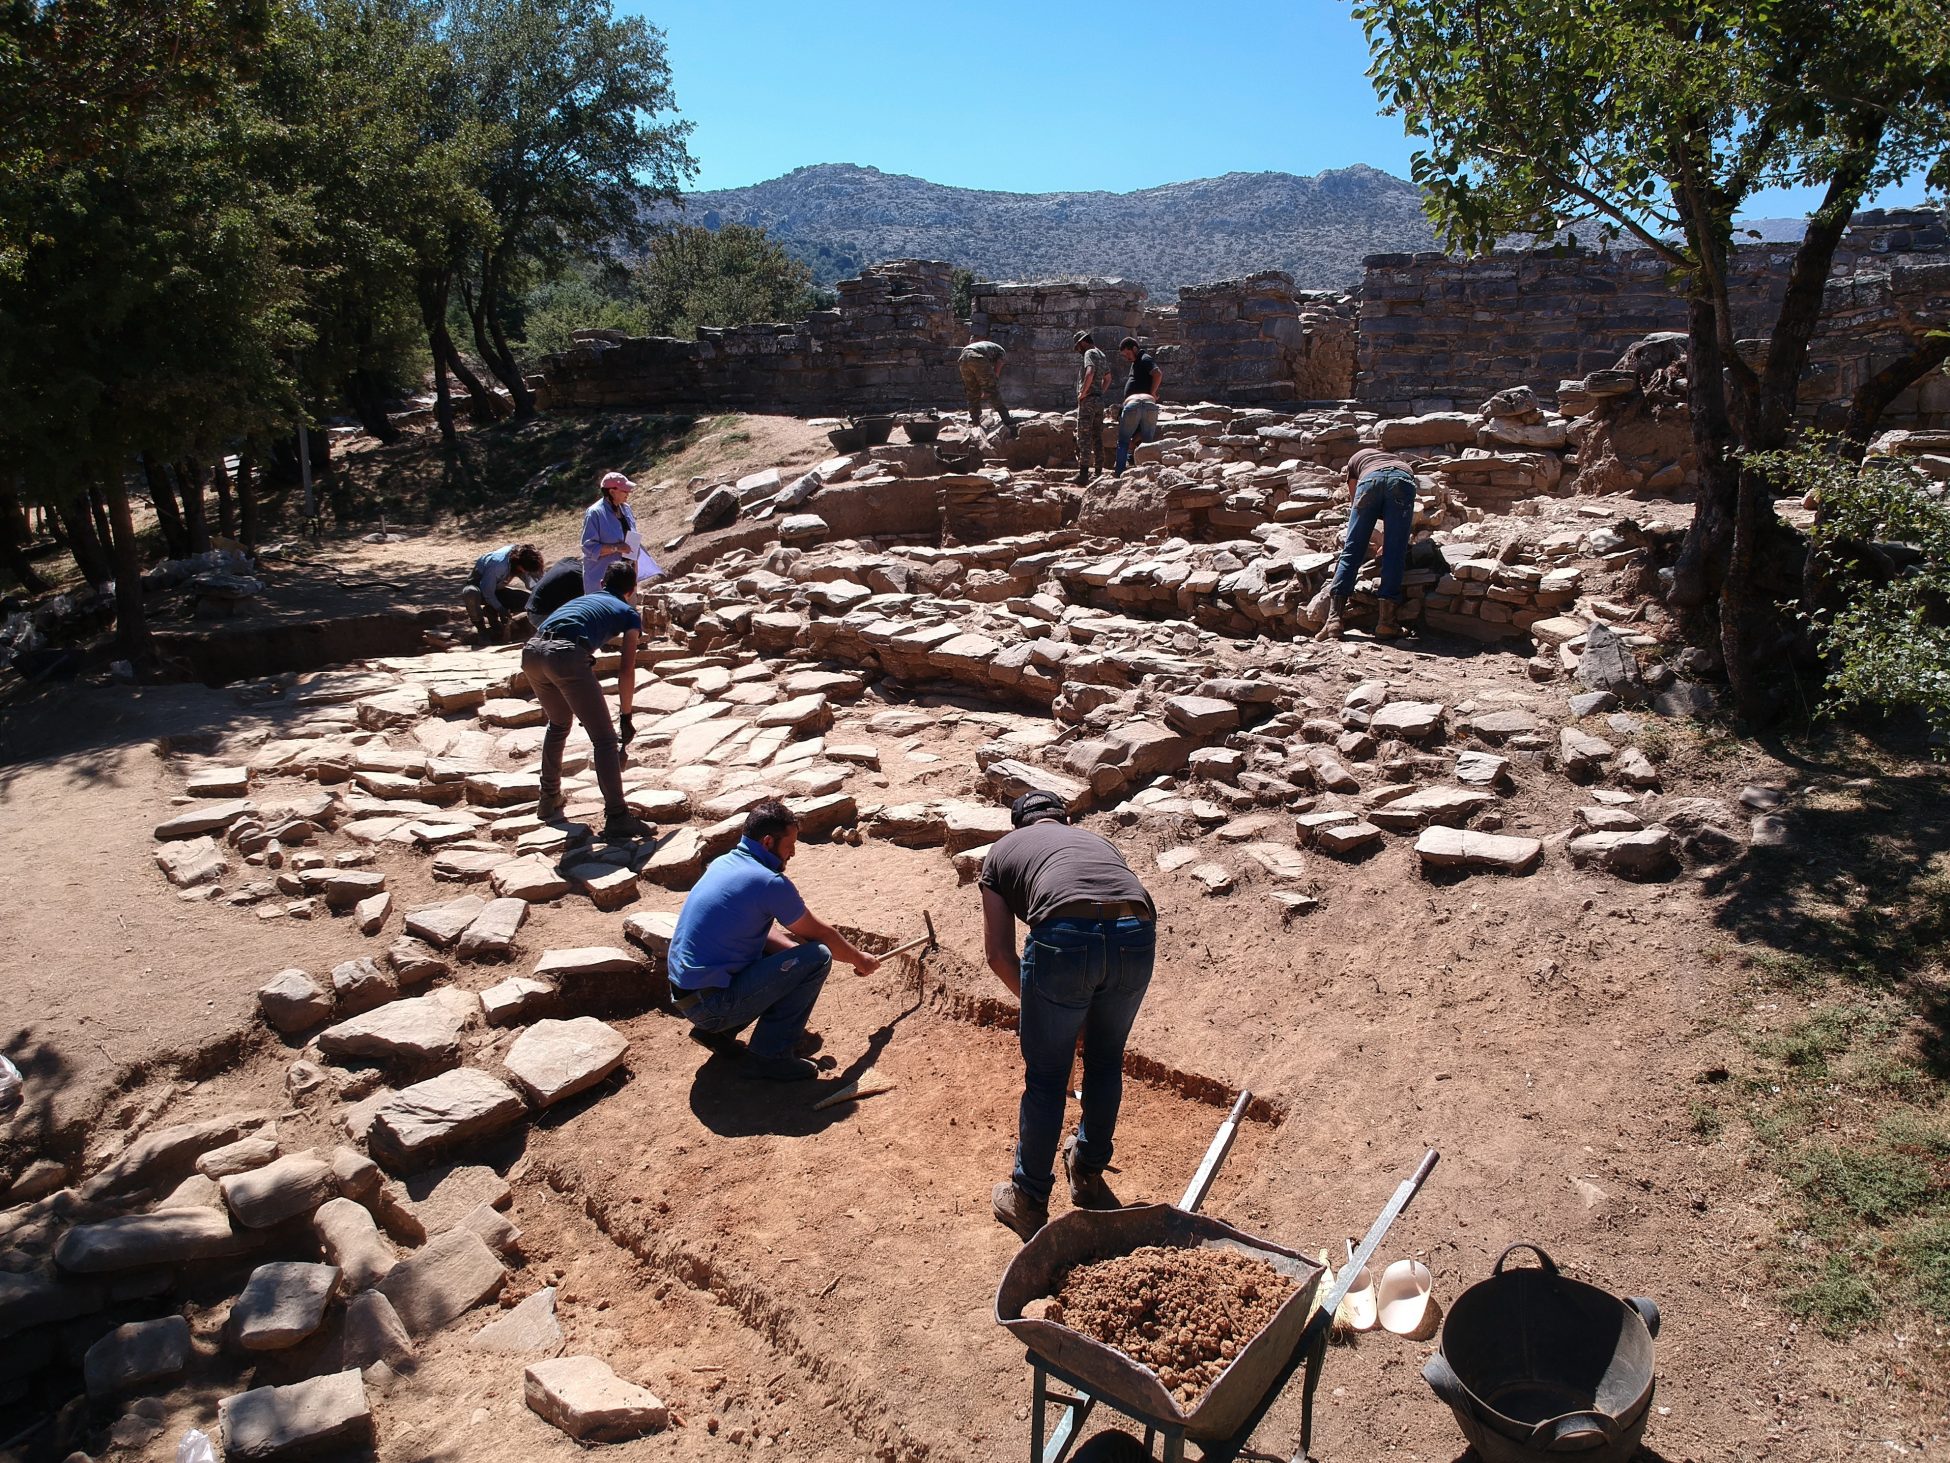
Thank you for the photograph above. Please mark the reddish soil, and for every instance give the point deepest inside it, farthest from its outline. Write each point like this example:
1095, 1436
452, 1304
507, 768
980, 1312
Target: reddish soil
819, 1285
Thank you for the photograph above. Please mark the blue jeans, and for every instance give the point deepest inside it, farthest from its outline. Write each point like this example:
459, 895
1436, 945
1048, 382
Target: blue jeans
1083, 976
1387, 496
1136, 418
777, 992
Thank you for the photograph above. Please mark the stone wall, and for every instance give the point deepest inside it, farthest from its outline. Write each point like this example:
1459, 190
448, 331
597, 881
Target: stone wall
891, 343
1256, 340
1438, 333
894, 340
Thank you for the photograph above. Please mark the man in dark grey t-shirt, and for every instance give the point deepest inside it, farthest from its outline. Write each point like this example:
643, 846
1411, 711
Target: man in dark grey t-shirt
1083, 970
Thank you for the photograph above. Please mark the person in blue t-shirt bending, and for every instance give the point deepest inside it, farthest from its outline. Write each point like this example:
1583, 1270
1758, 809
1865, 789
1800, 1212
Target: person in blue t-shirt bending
730, 966
560, 663
490, 602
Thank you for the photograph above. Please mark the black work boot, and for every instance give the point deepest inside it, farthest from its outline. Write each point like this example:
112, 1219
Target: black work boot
625, 827
1015, 1209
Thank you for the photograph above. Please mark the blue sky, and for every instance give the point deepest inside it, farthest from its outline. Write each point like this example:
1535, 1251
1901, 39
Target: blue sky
1036, 97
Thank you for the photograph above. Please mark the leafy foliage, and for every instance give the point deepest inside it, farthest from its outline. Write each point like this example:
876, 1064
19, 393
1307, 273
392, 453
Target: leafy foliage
734, 276
1882, 544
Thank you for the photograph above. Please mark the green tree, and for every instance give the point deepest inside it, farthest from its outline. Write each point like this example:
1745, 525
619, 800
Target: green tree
147, 301
736, 275
1881, 549
575, 112
1660, 118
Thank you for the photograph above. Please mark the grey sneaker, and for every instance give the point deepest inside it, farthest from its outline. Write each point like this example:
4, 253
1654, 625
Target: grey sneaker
1088, 1190
1016, 1210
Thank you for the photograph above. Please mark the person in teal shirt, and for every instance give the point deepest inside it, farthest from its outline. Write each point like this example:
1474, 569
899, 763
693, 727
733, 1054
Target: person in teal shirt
560, 663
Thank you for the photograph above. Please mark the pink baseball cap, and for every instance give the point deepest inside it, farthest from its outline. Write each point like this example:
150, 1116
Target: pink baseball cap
617, 480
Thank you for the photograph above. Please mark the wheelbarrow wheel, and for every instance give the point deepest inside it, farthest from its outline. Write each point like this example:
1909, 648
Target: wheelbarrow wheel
1111, 1447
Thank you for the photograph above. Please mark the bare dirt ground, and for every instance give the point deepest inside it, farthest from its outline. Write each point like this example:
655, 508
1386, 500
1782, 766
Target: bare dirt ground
819, 1285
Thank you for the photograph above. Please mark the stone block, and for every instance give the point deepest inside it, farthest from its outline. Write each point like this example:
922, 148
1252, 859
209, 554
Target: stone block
1442, 847
553, 1060
293, 1185
320, 1415
136, 1241
458, 1106
136, 1354
291, 1002
282, 1303
530, 1329
589, 1402
420, 1034
372, 1333
442, 1281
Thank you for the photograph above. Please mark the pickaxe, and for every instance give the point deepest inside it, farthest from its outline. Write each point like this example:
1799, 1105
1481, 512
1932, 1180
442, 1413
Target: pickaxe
928, 940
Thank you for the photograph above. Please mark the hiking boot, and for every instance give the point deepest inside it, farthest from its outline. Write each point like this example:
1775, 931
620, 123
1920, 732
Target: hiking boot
1087, 1187
549, 809
1385, 627
625, 827
1015, 1209
780, 1069
1336, 620
1082, 478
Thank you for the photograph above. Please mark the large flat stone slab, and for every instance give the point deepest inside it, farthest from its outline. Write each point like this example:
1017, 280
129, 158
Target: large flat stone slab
422, 1032
491, 935
420, 1121
169, 1237
298, 1421
533, 878
1464, 848
210, 818
282, 1304
137, 1354
553, 1060
443, 1198
589, 1402
443, 1280
442, 924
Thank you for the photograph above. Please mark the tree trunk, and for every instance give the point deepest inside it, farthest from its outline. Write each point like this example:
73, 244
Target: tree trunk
246, 500
104, 534
326, 472
78, 524
482, 404
176, 537
13, 545
226, 510
490, 342
1701, 568
195, 518
367, 403
1873, 397
131, 622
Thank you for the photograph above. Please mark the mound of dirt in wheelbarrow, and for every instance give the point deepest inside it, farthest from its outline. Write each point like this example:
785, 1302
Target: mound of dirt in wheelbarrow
1183, 1313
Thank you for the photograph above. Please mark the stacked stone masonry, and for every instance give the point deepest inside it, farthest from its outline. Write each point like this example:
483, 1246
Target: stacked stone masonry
1439, 333
1427, 332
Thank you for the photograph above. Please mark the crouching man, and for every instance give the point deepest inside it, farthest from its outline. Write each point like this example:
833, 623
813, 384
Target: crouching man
730, 966
1083, 970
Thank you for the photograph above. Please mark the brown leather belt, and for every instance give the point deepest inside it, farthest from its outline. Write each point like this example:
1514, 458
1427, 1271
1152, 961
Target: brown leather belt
1091, 909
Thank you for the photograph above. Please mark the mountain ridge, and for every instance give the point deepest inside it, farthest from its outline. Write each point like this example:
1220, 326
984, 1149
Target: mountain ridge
839, 217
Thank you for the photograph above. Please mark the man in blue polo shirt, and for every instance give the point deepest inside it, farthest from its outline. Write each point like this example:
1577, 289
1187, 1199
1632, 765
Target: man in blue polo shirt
730, 966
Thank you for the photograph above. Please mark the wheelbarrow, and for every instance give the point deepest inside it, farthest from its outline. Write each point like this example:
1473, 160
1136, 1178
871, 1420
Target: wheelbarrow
1225, 1415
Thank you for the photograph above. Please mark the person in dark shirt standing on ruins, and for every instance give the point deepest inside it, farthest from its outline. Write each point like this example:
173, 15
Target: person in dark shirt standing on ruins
1083, 970
1137, 418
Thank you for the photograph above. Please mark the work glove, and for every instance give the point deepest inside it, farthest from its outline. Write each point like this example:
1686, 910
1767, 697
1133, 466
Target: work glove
629, 730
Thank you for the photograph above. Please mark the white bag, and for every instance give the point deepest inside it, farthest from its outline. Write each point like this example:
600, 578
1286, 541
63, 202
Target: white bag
195, 1448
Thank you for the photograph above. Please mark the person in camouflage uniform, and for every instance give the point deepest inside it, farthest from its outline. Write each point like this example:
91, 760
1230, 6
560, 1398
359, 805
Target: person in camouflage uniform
1093, 391
981, 378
